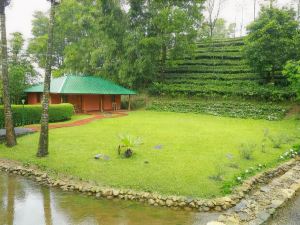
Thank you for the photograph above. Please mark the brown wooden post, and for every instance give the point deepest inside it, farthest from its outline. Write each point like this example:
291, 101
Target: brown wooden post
101, 103
82, 103
129, 102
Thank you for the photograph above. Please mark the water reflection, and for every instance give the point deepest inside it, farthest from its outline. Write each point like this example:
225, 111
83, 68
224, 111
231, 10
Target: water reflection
23, 202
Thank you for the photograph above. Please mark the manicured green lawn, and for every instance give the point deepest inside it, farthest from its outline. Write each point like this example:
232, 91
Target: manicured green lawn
192, 144
75, 118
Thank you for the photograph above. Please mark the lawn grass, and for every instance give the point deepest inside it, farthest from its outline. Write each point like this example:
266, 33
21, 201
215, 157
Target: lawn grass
74, 118
192, 146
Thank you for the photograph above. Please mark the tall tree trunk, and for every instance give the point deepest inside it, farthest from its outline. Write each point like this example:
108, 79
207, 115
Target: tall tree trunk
44, 134
163, 59
9, 124
298, 10
271, 3
211, 31
254, 2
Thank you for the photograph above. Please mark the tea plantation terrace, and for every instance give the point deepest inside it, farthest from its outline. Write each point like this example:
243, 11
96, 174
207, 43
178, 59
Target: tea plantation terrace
218, 70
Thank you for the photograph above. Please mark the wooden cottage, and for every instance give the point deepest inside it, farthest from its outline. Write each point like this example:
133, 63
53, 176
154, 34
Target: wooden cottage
86, 93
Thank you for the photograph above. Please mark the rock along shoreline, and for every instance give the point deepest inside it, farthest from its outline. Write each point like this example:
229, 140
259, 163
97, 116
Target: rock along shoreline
219, 204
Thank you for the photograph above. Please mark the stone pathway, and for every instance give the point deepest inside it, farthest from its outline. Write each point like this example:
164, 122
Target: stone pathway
257, 207
19, 132
96, 116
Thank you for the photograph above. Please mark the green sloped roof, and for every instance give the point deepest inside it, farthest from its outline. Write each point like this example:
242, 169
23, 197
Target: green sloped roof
71, 84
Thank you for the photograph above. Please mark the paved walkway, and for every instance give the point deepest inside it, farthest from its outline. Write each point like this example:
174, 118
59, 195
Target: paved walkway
259, 206
93, 117
18, 130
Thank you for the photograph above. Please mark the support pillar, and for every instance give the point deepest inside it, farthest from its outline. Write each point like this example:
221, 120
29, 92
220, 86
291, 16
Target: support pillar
101, 103
129, 102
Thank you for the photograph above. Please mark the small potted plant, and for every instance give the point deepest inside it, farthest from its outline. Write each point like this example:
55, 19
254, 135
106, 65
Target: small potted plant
127, 143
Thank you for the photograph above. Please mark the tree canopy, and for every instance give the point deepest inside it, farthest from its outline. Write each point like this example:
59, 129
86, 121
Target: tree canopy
130, 42
21, 71
273, 39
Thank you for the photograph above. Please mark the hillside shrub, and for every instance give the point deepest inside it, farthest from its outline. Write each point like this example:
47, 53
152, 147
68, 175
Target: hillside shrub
246, 151
245, 90
31, 114
234, 109
220, 71
136, 102
292, 72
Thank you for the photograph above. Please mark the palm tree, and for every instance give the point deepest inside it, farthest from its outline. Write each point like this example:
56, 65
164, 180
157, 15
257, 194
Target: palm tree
9, 124
44, 135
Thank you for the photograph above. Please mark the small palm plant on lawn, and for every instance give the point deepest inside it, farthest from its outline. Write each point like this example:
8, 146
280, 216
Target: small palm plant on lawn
128, 142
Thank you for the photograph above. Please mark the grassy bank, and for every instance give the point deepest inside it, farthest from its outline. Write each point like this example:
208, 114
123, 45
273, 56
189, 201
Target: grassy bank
193, 148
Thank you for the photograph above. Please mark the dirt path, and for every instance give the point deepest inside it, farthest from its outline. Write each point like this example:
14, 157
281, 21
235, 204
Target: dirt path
81, 122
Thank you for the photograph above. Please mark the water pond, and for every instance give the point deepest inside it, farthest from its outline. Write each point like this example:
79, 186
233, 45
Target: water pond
24, 202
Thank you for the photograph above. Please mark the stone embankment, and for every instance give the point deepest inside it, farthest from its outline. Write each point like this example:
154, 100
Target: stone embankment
174, 202
258, 207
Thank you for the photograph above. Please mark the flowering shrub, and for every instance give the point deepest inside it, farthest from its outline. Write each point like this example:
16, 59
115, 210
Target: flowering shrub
240, 178
290, 154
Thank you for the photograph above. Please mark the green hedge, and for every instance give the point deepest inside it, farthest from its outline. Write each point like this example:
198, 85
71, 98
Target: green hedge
216, 76
222, 43
223, 108
209, 70
210, 62
31, 114
247, 90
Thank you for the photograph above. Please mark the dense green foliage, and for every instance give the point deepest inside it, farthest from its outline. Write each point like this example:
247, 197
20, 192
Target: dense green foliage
178, 157
273, 39
31, 114
222, 108
20, 69
129, 46
292, 72
218, 69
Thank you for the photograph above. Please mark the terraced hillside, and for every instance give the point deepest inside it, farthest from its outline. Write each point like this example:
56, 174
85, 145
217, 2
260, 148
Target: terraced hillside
216, 80
219, 70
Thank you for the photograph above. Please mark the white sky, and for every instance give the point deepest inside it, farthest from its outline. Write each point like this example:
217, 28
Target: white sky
19, 14
242, 11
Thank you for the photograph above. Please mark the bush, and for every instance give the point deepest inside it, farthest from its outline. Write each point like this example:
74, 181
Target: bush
234, 109
219, 172
220, 70
31, 114
127, 143
292, 72
279, 140
243, 89
137, 102
246, 151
